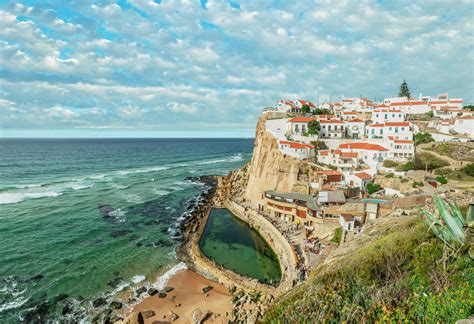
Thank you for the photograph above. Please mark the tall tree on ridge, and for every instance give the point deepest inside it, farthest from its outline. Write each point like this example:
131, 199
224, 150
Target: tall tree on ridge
404, 91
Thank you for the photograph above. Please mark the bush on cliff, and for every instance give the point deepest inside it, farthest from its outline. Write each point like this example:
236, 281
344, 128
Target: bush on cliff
395, 278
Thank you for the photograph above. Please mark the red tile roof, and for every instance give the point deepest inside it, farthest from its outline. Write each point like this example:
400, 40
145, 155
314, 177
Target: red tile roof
362, 146
332, 121
349, 154
403, 141
323, 152
301, 120
356, 120
350, 112
329, 172
397, 124
297, 145
363, 176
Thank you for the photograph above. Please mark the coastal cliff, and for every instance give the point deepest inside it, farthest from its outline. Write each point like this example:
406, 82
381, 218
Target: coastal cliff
269, 168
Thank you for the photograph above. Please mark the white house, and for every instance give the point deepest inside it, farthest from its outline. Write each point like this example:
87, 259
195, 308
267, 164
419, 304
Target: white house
349, 115
284, 105
343, 160
298, 125
371, 154
461, 125
447, 112
382, 115
423, 104
380, 132
401, 149
298, 150
358, 179
333, 128
355, 129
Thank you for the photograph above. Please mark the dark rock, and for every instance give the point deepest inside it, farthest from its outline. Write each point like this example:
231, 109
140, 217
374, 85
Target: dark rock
60, 297
168, 289
232, 289
148, 313
162, 295
174, 317
140, 290
152, 291
36, 278
66, 309
207, 289
98, 302
116, 305
119, 233
139, 244
114, 283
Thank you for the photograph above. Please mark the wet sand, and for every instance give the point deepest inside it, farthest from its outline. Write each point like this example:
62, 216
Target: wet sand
186, 297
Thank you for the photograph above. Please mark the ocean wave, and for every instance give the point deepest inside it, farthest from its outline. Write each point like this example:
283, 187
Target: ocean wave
28, 186
160, 192
79, 186
233, 158
163, 279
138, 278
118, 186
13, 198
143, 170
11, 294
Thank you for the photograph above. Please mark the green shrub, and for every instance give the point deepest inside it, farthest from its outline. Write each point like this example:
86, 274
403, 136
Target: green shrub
337, 235
389, 175
442, 180
319, 145
390, 163
417, 184
405, 167
421, 138
442, 171
469, 169
403, 180
370, 188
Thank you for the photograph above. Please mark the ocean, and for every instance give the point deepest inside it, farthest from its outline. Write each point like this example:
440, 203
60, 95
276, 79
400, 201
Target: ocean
87, 218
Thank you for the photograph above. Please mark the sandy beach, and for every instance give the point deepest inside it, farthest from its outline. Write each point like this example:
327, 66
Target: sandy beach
186, 298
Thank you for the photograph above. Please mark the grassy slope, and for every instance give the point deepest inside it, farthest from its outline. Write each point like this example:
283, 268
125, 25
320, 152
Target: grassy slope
395, 276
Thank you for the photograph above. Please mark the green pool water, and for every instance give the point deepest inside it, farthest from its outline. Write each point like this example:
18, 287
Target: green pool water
234, 245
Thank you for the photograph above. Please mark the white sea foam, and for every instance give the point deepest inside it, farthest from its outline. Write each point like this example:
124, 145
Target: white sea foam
79, 186
119, 215
163, 279
28, 186
137, 279
14, 304
16, 197
144, 170
99, 176
160, 192
118, 186
132, 198
233, 158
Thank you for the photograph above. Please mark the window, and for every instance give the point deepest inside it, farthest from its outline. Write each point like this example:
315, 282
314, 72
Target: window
396, 129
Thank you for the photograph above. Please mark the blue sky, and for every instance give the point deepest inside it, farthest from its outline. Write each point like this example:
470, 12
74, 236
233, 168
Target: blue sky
205, 68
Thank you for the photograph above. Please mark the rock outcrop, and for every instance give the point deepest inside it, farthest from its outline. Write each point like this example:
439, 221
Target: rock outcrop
269, 168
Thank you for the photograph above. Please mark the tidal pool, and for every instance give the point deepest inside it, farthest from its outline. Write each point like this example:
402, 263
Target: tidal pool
230, 242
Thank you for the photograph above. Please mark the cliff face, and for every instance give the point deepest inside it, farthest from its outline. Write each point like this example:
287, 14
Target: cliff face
268, 169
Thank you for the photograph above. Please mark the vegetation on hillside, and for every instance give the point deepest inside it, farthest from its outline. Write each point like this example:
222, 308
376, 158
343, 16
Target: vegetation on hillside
457, 151
398, 277
390, 164
319, 145
305, 109
422, 161
464, 174
371, 188
321, 111
421, 138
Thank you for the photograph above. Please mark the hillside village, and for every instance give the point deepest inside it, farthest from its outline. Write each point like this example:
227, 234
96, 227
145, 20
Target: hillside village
365, 159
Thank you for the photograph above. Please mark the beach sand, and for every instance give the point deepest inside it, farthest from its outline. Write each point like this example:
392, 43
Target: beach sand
189, 296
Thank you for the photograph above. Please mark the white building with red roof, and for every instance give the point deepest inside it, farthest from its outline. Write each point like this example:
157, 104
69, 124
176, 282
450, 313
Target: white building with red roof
379, 132
349, 115
370, 153
343, 160
295, 149
298, 125
381, 115
332, 128
401, 149
355, 129
358, 179
423, 104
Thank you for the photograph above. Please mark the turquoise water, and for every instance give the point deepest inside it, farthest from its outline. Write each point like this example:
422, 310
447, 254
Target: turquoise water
80, 219
233, 244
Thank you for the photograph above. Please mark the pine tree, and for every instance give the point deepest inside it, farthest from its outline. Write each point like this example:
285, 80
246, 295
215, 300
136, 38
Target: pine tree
404, 91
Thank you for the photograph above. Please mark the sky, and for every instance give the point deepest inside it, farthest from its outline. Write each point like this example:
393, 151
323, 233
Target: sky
190, 68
